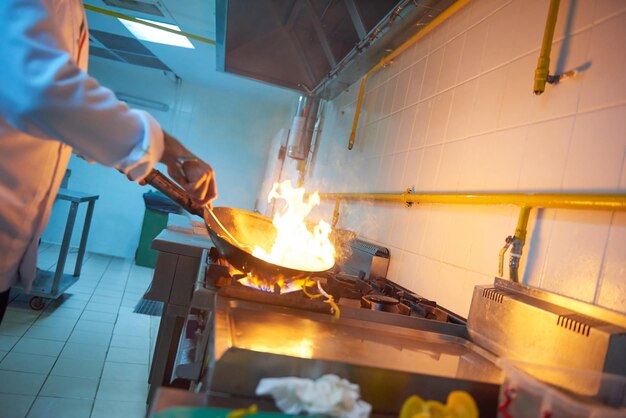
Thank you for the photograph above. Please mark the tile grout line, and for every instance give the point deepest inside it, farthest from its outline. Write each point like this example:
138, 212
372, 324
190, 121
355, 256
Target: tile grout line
39, 313
93, 405
98, 280
64, 344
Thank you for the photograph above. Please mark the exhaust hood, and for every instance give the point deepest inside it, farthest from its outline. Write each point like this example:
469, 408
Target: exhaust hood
316, 47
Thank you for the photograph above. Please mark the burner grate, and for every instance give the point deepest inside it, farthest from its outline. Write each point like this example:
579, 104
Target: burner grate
348, 290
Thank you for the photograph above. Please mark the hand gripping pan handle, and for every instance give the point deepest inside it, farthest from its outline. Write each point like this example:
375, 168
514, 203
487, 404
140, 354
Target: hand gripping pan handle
170, 189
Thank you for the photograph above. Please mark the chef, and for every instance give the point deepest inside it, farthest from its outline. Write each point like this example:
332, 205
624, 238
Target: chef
49, 108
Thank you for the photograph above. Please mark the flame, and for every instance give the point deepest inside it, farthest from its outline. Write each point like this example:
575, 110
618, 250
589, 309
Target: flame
265, 284
269, 285
296, 246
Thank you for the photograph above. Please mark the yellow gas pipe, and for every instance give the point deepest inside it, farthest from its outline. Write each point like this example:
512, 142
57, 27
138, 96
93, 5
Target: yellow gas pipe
388, 58
543, 64
543, 200
525, 202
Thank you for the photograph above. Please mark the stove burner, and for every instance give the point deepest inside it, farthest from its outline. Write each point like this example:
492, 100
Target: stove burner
345, 286
379, 303
219, 273
374, 293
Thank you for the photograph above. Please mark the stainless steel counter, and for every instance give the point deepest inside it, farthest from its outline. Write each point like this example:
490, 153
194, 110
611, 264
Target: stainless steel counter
389, 362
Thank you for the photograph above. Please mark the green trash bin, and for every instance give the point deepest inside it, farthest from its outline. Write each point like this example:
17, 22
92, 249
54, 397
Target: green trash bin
158, 208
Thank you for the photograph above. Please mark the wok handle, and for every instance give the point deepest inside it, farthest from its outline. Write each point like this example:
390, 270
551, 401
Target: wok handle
170, 189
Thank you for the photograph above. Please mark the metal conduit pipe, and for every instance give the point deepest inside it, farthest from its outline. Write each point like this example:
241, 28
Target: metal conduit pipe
387, 59
543, 64
526, 202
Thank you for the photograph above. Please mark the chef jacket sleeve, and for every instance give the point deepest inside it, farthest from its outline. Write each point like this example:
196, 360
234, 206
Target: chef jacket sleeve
45, 94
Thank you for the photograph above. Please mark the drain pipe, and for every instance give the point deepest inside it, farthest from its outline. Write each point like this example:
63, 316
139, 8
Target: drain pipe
543, 64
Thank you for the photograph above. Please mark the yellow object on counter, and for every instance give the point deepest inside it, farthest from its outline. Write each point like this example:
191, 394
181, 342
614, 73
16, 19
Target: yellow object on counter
240, 413
460, 404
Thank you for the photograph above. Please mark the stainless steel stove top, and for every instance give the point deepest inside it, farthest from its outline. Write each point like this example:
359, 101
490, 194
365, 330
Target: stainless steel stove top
238, 335
418, 347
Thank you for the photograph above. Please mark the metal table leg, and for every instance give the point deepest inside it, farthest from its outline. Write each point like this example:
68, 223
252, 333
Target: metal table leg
50, 284
83, 239
65, 246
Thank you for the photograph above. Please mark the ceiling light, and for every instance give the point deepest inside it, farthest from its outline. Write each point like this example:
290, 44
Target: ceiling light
148, 33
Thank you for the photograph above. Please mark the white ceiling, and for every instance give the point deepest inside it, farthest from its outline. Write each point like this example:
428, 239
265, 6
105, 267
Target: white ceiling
199, 64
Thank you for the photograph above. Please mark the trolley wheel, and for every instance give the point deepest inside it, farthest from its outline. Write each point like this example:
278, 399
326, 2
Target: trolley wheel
37, 303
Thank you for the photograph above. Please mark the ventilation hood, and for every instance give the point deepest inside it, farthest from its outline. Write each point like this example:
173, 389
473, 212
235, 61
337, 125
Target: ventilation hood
314, 46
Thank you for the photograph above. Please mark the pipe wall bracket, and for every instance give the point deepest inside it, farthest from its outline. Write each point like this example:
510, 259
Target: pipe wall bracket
407, 202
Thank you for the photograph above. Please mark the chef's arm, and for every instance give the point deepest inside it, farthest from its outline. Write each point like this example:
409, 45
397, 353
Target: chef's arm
193, 174
45, 94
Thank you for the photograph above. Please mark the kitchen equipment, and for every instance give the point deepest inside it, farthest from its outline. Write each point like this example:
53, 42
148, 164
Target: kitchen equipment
179, 257
389, 362
245, 229
241, 334
317, 47
253, 338
209, 209
522, 323
561, 357
366, 258
238, 334
380, 303
53, 284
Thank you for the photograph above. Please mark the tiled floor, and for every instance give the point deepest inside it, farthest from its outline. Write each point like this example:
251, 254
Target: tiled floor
86, 354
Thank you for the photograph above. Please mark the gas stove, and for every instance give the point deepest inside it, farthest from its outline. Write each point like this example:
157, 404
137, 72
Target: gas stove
390, 341
348, 290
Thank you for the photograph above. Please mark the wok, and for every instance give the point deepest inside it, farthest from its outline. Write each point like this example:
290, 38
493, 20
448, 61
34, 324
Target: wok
234, 232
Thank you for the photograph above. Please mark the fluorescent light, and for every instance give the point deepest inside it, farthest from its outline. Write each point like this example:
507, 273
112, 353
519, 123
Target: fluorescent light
148, 33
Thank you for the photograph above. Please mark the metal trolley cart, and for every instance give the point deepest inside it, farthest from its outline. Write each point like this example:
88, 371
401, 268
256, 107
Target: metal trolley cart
52, 284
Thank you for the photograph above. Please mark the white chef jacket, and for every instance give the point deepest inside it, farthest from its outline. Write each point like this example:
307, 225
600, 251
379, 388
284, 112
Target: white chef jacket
49, 106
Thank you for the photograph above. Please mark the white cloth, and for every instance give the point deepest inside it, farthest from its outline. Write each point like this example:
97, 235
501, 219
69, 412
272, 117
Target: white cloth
328, 395
49, 106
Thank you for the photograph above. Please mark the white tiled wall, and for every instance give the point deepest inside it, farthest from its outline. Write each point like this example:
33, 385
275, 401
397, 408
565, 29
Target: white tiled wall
456, 113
